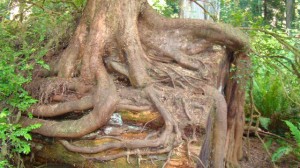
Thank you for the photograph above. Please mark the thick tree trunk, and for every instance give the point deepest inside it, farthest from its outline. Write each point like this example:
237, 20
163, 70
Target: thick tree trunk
124, 56
235, 98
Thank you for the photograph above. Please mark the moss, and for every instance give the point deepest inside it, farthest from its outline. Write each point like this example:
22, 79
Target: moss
55, 154
142, 117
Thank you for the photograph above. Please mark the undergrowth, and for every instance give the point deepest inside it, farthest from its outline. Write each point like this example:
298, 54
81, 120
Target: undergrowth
276, 78
38, 27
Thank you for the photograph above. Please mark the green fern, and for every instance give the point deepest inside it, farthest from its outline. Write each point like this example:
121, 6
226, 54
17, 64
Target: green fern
287, 148
294, 130
280, 152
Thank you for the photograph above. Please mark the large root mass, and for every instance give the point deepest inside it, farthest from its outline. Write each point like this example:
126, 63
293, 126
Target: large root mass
124, 56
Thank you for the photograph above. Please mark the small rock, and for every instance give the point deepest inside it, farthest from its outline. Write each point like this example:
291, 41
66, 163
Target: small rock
116, 120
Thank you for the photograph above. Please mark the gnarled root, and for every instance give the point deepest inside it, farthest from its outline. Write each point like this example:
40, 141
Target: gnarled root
169, 137
76, 128
213, 150
103, 107
142, 51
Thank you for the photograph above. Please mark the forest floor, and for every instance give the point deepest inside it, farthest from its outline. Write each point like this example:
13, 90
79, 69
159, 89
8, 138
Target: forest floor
255, 156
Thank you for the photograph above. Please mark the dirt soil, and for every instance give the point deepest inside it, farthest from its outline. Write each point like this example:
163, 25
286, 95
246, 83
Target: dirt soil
255, 156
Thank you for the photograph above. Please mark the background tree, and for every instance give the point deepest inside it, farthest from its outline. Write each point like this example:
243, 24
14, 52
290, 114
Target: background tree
289, 13
207, 10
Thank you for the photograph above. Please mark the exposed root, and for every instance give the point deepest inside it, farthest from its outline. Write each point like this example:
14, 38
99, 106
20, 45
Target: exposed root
168, 159
175, 63
119, 68
76, 128
127, 107
185, 79
153, 134
103, 108
166, 138
80, 105
216, 132
222, 34
186, 110
132, 152
199, 161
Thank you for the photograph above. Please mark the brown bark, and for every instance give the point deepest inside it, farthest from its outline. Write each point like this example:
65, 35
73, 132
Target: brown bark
289, 13
235, 98
216, 131
164, 60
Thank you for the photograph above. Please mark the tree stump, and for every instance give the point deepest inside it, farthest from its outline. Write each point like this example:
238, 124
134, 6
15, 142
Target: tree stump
124, 56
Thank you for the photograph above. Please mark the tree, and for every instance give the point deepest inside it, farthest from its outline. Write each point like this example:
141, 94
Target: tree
208, 10
123, 55
289, 13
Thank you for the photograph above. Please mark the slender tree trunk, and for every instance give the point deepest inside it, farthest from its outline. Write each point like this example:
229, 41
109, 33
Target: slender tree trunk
206, 10
289, 14
265, 10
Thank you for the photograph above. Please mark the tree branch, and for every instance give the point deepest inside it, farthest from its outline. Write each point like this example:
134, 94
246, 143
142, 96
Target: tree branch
205, 11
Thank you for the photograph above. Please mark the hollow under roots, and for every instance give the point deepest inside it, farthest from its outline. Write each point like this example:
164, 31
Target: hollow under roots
123, 55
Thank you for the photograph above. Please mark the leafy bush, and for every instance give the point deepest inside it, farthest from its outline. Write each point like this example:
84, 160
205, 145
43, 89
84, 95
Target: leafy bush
24, 42
14, 99
275, 60
14, 139
168, 8
276, 84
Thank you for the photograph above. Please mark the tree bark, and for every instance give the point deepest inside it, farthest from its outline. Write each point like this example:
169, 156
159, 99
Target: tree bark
124, 54
289, 14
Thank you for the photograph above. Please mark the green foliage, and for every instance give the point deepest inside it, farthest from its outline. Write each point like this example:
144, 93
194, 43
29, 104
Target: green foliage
236, 17
268, 95
13, 137
5, 163
12, 97
168, 8
280, 152
264, 122
276, 80
294, 131
24, 41
288, 148
275, 59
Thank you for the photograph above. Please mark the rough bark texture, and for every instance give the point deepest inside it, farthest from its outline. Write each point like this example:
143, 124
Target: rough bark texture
123, 55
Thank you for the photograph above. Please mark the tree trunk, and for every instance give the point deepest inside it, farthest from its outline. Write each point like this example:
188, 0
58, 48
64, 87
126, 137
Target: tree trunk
289, 14
234, 95
124, 56
206, 10
266, 14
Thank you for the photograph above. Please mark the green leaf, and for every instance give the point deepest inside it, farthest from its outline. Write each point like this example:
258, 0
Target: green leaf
281, 152
27, 137
264, 122
294, 130
26, 149
268, 143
